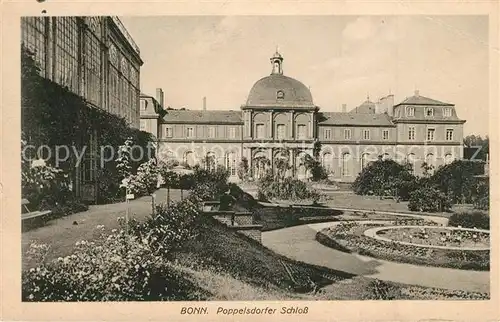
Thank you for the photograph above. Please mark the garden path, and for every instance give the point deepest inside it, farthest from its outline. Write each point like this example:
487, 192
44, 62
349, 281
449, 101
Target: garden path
62, 233
299, 243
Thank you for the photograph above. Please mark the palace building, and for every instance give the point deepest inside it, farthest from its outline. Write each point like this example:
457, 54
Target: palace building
280, 120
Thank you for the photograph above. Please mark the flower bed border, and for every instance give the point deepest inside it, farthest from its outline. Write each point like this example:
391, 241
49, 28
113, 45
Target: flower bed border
438, 259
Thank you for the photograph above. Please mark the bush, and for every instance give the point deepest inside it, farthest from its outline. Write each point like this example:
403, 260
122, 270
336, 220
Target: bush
429, 199
475, 219
119, 267
482, 195
286, 189
458, 180
385, 178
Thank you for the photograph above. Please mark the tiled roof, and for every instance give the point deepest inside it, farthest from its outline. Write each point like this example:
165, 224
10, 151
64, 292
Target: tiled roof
339, 118
422, 100
367, 107
200, 116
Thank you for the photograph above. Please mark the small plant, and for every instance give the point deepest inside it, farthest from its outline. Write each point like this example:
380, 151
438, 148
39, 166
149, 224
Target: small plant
475, 219
429, 199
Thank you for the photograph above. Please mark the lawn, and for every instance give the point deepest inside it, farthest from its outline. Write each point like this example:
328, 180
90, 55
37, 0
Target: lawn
353, 201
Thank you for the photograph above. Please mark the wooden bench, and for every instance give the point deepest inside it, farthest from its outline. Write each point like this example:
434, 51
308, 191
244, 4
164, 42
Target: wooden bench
32, 214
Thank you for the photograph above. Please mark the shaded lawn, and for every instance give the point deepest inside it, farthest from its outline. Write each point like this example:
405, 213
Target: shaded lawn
62, 234
375, 203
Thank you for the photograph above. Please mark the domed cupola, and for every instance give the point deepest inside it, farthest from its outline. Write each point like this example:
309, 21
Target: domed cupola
278, 90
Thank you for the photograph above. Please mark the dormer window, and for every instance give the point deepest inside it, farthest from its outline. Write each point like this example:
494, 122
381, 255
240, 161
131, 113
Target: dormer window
447, 112
429, 112
280, 95
410, 111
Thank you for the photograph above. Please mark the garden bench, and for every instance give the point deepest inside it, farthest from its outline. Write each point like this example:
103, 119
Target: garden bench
32, 214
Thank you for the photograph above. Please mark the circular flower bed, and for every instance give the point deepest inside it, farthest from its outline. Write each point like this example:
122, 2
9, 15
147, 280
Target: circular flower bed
434, 237
350, 237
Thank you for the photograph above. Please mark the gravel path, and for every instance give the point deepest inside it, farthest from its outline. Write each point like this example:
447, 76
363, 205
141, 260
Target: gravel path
299, 243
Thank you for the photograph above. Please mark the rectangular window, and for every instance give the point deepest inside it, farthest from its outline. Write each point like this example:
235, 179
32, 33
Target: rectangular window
411, 134
347, 134
449, 134
301, 131
259, 131
168, 132
280, 131
92, 64
385, 134
429, 111
143, 125
366, 134
34, 38
328, 134
189, 132
66, 58
232, 132
447, 112
144, 103
410, 111
211, 132
430, 134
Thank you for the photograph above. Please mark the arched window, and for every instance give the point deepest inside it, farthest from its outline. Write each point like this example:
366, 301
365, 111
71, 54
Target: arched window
326, 161
189, 158
210, 161
365, 158
410, 159
429, 159
231, 163
346, 164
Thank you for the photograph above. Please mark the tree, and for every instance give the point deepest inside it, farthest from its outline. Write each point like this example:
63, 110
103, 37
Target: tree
314, 167
458, 180
243, 169
385, 178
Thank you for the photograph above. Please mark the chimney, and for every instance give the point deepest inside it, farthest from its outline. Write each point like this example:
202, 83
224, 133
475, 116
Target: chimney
204, 103
159, 96
417, 92
344, 108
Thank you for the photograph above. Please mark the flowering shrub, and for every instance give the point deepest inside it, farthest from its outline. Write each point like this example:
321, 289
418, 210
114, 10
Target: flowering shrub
116, 267
170, 227
144, 181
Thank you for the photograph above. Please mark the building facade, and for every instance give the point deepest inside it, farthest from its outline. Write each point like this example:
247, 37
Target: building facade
280, 120
95, 58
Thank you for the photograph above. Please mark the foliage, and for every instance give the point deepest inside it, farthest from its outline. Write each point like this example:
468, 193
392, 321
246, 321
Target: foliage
475, 219
48, 188
482, 193
429, 199
287, 189
314, 167
145, 181
114, 267
385, 178
243, 169
52, 115
458, 180
123, 166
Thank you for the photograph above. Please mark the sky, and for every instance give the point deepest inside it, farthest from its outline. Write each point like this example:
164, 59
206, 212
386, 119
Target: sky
342, 59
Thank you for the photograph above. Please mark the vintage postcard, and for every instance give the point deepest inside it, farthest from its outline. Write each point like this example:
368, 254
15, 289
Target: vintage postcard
238, 162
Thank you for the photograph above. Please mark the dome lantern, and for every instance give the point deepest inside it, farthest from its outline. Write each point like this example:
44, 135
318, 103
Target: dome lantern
277, 62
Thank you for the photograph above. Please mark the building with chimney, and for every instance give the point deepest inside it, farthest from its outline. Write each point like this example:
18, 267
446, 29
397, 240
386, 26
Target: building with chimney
280, 120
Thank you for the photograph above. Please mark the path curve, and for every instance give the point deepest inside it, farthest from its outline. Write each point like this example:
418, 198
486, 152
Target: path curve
299, 243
